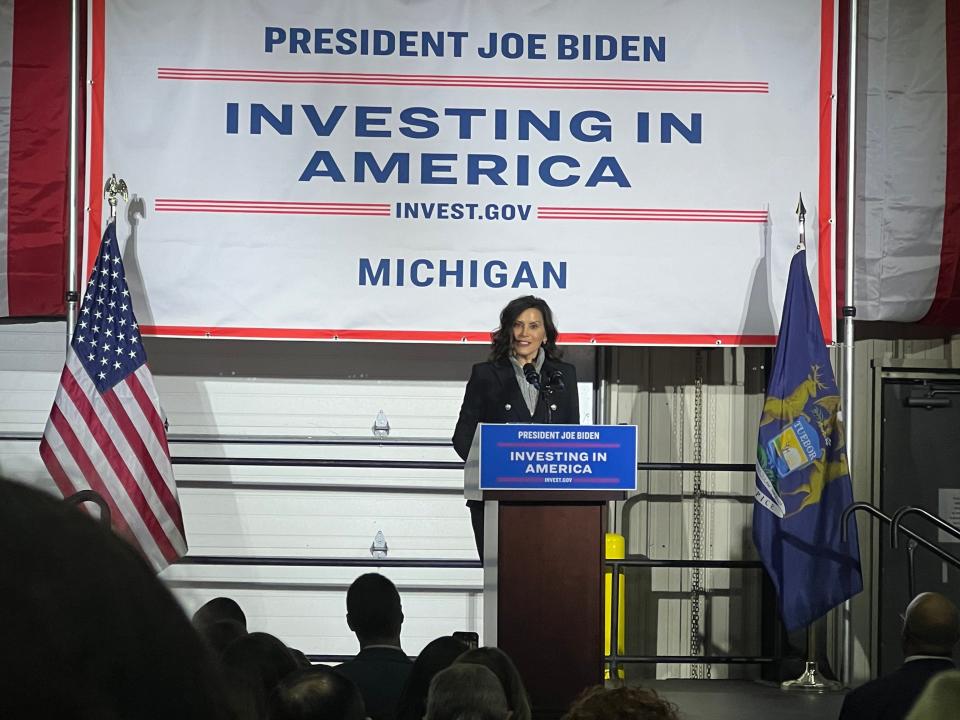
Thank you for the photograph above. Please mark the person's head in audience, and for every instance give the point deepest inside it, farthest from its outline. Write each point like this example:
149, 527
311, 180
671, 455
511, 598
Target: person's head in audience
218, 635
940, 699
624, 703
317, 693
502, 666
91, 632
436, 656
220, 608
931, 626
466, 692
374, 612
255, 664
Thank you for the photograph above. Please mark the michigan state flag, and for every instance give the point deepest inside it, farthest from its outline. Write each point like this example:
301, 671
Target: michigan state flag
803, 483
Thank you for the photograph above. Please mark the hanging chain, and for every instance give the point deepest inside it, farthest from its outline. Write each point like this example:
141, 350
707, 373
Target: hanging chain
696, 542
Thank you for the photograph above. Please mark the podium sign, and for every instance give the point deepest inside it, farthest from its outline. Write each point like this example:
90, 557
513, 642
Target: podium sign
552, 457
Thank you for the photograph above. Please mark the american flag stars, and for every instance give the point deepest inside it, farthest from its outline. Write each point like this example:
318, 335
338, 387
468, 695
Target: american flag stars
109, 362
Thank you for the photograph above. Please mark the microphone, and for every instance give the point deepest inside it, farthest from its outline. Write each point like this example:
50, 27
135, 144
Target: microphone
555, 380
530, 372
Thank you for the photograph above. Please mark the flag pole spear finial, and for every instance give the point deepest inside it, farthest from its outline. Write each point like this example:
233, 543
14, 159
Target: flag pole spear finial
801, 224
113, 189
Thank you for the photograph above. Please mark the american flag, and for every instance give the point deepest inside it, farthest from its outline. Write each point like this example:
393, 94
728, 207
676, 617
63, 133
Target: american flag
105, 432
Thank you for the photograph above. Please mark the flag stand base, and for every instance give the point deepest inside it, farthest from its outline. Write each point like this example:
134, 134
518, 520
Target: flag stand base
811, 681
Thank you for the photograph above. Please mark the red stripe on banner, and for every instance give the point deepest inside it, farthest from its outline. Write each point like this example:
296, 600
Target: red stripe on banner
95, 99
89, 472
396, 79
52, 463
652, 218
258, 211
825, 267
843, 153
127, 482
122, 418
268, 207
39, 159
446, 336
945, 309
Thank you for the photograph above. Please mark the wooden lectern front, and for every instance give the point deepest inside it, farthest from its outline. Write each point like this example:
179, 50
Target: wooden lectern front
545, 490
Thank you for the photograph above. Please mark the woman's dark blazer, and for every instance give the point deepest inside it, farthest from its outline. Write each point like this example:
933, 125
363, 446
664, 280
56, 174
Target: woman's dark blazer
493, 396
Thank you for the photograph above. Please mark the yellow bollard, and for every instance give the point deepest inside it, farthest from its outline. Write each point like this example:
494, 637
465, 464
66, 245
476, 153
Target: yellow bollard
615, 550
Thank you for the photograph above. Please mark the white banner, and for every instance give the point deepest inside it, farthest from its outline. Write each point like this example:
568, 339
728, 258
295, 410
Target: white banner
399, 171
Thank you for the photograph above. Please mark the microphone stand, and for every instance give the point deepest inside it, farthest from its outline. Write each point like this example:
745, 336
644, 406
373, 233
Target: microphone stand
548, 390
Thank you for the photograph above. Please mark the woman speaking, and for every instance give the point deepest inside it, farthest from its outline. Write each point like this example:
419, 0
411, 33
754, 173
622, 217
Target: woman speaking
524, 381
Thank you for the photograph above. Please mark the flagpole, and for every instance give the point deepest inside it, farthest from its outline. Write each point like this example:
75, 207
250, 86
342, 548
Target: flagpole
73, 283
849, 312
811, 680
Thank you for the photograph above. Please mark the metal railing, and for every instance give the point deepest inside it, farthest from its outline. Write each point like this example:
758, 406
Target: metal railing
614, 659
897, 528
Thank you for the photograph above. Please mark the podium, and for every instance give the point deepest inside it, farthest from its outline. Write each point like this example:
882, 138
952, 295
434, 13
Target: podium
545, 489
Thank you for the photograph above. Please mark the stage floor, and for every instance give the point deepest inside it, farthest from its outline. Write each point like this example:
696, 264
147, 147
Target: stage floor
744, 700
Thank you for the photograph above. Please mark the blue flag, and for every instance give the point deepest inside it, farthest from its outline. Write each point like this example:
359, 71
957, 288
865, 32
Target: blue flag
803, 483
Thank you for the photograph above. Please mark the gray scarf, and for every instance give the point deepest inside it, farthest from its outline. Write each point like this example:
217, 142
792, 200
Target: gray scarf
529, 392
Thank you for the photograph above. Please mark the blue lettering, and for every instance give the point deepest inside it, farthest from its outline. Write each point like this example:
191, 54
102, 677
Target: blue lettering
411, 117
528, 118
599, 174
547, 165
466, 115
322, 127
495, 274
299, 39
524, 276
233, 118
433, 163
346, 41
551, 274
363, 160
456, 273
273, 36
692, 134
489, 166
283, 125
415, 272
322, 164
367, 274
597, 131
365, 123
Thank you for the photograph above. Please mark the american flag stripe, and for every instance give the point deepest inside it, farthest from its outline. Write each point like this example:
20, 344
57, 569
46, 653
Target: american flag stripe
51, 459
77, 463
142, 388
124, 413
116, 470
101, 472
151, 428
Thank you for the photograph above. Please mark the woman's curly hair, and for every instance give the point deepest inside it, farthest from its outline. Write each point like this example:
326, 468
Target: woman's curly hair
502, 337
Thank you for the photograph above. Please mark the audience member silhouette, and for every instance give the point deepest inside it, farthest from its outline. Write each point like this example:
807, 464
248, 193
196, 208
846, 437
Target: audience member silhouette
940, 699
91, 631
317, 693
218, 635
220, 608
438, 655
381, 668
502, 666
931, 629
255, 664
466, 692
624, 703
